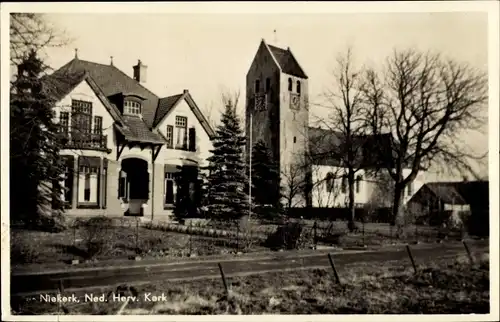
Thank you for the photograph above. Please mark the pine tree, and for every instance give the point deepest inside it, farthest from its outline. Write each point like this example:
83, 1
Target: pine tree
265, 181
35, 164
227, 180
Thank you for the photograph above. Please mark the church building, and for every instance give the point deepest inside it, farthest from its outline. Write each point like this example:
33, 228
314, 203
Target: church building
277, 114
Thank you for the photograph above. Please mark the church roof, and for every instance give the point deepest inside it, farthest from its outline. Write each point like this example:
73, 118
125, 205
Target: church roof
287, 62
325, 148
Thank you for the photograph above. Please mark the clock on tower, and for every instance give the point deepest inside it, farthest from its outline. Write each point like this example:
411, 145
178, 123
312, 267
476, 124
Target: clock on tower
294, 102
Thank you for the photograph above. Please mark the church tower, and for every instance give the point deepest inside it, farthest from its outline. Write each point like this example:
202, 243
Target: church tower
277, 112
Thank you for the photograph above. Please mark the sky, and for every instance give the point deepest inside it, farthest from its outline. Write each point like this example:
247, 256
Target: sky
208, 52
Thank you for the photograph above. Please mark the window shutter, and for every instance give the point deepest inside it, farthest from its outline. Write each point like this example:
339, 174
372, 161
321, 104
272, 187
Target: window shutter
192, 139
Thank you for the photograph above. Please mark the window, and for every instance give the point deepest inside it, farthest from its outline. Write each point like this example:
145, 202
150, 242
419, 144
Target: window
298, 87
98, 125
88, 184
330, 182
192, 139
181, 129
64, 122
268, 84
81, 116
170, 188
290, 85
344, 184
132, 108
257, 86
358, 183
122, 185
170, 136
294, 139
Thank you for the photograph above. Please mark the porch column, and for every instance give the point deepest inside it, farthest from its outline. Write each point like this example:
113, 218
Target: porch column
74, 195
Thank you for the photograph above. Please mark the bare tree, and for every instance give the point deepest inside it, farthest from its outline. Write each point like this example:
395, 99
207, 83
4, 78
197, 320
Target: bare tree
32, 32
345, 100
427, 104
324, 189
212, 114
294, 184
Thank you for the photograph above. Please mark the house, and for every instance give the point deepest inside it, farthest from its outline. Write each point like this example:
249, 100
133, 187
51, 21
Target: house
124, 146
434, 199
277, 113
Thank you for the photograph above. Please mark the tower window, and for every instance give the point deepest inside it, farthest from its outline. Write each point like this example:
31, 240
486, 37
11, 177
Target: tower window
298, 87
294, 139
268, 84
290, 85
257, 86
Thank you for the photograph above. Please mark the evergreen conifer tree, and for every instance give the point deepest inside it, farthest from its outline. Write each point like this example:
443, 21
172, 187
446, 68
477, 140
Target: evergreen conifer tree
265, 181
35, 165
227, 180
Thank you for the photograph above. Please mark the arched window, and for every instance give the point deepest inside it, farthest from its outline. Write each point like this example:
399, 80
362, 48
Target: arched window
330, 182
268, 84
358, 183
298, 87
290, 85
257, 86
344, 184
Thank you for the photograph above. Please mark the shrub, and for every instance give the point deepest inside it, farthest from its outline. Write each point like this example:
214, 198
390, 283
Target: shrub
288, 236
97, 235
23, 253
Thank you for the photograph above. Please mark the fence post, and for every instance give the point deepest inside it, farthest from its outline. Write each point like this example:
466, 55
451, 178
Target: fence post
334, 269
469, 254
74, 233
363, 232
315, 238
237, 237
408, 250
223, 279
137, 234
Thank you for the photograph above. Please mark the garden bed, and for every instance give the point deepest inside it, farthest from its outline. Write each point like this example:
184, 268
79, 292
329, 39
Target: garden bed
35, 247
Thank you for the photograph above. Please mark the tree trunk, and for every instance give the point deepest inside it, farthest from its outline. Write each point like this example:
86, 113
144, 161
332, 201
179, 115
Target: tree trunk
397, 206
352, 209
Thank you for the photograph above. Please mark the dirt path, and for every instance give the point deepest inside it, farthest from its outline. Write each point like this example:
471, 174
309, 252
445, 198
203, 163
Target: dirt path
101, 278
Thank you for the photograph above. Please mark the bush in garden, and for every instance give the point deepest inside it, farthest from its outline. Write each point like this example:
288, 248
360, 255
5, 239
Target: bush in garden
287, 236
97, 235
23, 253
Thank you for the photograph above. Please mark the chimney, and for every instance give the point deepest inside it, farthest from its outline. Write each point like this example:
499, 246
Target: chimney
185, 91
140, 72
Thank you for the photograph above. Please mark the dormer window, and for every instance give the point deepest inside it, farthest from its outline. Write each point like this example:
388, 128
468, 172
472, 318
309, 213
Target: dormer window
132, 108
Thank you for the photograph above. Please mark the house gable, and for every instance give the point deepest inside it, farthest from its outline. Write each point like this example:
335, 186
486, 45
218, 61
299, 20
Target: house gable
168, 105
203, 144
85, 91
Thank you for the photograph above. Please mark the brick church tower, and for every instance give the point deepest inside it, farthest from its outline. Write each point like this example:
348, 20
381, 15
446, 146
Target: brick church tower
277, 112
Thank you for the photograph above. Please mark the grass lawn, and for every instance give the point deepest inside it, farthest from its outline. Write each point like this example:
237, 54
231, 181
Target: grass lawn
444, 286
33, 247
